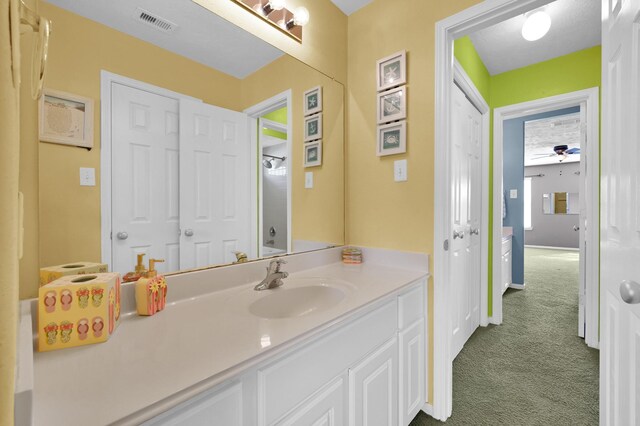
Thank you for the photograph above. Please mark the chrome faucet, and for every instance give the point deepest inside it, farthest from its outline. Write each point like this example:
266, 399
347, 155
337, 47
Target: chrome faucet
274, 276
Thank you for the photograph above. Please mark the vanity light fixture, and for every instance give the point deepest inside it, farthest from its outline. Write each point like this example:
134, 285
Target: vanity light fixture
275, 12
536, 25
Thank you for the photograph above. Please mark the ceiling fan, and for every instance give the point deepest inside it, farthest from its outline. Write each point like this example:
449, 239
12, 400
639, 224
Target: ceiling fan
562, 151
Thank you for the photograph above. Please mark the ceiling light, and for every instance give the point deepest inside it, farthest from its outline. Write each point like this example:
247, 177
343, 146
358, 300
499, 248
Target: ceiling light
536, 25
301, 16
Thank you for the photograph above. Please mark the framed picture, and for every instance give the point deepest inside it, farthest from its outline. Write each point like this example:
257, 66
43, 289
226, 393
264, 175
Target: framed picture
313, 127
313, 101
392, 139
66, 119
392, 105
392, 71
313, 154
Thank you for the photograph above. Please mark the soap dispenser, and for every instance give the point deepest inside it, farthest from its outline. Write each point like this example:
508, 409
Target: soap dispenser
140, 271
151, 291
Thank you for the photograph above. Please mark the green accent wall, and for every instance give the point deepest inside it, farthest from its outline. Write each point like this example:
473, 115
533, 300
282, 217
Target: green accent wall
468, 57
575, 71
279, 116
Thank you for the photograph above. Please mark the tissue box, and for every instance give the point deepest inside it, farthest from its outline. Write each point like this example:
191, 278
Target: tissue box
78, 310
52, 273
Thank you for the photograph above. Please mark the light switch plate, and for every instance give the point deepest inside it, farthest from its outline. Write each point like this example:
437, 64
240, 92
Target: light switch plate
400, 170
308, 180
513, 193
87, 176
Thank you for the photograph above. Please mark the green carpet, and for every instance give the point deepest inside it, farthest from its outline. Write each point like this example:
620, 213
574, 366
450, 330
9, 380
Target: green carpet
533, 369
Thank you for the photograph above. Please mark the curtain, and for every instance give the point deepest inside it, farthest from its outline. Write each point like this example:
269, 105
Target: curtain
9, 159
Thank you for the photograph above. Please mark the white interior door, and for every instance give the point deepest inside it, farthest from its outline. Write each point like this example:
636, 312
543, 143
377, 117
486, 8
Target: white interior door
215, 185
145, 213
466, 212
620, 215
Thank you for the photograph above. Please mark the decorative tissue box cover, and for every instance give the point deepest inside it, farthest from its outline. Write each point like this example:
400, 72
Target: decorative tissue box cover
52, 273
78, 310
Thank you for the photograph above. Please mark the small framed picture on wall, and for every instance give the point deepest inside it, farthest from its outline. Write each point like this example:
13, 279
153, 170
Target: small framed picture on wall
392, 71
392, 105
313, 101
313, 154
392, 139
313, 127
66, 119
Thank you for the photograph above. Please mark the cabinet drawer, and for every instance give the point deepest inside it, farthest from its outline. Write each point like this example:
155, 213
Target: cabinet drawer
411, 306
506, 245
290, 380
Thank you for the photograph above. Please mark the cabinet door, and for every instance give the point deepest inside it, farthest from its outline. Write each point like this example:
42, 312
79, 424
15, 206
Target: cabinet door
325, 408
412, 372
373, 388
212, 408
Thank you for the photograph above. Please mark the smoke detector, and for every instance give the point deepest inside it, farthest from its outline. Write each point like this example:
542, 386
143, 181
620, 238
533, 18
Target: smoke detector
155, 21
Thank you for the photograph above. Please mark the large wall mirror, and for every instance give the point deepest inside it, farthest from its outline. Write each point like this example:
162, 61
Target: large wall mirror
561, 203
199, 142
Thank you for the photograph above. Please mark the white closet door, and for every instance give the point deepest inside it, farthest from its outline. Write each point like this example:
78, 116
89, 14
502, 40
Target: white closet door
215, 184
145, 210
466, 209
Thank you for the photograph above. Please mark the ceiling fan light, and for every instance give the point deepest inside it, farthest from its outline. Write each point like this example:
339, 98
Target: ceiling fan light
536, 26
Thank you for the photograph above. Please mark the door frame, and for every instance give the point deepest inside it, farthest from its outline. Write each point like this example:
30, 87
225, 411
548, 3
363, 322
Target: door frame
590, 97
475, 18
107, 79
254, 112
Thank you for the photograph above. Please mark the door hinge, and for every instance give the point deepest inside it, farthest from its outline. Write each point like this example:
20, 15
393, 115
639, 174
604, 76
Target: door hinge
445, 245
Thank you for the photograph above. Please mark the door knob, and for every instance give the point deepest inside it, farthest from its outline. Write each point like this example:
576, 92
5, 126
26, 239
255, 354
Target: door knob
457, 234
122, 235
630, 292
475, 231
188, 232
576, 228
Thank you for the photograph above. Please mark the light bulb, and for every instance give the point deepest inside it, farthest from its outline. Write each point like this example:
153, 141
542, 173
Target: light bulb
536, 26
277, 4
301, 16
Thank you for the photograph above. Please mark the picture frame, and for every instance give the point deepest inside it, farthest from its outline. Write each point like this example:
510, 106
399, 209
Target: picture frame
391, 71
313, 154
392, 105
313, 101
392, 139
313, 127
65, 118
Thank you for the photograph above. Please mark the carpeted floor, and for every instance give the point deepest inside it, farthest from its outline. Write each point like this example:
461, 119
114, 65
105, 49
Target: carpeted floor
533, 369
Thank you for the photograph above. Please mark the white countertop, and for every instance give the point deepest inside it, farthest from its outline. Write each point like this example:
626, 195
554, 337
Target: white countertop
194, 344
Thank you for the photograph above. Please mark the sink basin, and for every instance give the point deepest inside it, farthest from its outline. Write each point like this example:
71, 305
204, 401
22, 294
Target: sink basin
284, 302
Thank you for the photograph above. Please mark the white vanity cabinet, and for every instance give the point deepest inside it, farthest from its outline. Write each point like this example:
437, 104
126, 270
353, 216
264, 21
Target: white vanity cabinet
365, 370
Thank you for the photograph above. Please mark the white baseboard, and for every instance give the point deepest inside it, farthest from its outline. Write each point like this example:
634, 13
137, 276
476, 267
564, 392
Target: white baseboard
517, 286
552, 247
428, 409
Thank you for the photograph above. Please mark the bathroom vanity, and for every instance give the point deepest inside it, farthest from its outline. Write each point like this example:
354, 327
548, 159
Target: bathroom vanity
336, 344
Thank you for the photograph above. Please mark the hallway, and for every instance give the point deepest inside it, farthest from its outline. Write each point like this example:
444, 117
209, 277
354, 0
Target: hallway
533, 369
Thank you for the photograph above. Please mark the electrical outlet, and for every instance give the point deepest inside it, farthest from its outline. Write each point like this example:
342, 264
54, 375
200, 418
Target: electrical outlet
400, 170
87, 176
308, 180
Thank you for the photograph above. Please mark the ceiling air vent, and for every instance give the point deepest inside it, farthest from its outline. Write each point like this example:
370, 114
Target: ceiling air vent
155, 21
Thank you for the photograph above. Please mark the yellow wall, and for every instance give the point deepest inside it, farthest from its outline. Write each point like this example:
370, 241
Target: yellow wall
381, 212
318, 213
323, 44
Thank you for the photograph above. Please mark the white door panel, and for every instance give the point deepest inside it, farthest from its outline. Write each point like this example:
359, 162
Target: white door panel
214, 175
145, 216
620, 227
465, 256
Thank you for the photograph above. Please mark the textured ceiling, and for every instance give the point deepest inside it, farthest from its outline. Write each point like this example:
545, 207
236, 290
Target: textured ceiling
540, 136
575, 25
350, 6
200, 34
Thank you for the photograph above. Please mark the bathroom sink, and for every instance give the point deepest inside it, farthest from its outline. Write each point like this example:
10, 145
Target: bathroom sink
290, 301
